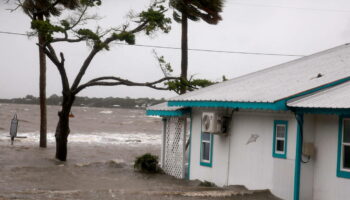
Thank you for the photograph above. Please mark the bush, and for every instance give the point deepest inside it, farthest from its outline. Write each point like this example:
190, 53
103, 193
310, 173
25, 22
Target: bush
147, 163
207, 184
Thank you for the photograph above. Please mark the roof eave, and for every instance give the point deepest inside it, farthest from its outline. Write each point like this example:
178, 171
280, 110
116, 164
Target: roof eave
277, 106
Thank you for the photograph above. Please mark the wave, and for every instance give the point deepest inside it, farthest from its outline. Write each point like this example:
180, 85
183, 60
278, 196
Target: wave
106, 112
101, 138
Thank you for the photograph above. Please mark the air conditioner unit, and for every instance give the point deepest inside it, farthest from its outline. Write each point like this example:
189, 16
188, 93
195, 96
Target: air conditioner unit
214, 123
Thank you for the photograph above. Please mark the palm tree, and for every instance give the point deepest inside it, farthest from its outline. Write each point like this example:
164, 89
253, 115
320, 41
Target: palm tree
195, 10
42, 10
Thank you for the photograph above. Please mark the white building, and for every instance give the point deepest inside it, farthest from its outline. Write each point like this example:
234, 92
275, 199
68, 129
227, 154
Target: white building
288, 129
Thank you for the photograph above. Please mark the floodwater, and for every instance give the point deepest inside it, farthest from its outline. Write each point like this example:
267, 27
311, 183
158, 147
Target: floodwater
101, 149
89, 125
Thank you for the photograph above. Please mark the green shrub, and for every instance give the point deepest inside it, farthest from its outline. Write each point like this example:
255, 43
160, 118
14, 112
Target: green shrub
207, 184
147, 163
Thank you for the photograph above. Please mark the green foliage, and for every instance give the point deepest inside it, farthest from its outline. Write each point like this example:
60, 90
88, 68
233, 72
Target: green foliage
198, 10
49, 8
191, 85
200, 83
147, 163
207, 184
156, 18
88, 34
46, 28
125, 36
65, 24
164, 66
176, 85
92, 37
91, 3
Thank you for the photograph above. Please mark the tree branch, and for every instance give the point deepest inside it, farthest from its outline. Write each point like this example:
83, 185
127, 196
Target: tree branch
84, 67
59, 65
52, 51
66, 39
95, 50
103, 81
80, 18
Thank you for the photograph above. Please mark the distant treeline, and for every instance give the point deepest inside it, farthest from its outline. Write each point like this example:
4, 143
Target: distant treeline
109, 102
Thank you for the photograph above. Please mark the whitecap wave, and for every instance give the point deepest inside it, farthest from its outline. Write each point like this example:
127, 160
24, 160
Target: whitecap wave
93, 138
106, 112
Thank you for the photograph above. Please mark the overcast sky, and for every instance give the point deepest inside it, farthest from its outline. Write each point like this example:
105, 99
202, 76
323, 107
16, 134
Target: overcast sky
299, 27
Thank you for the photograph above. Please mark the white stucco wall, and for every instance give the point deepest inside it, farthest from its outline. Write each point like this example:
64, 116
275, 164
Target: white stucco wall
307, 169
218, 172
326, 184
251, 164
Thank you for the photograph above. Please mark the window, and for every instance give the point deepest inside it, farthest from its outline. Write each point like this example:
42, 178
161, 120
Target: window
206, 149
343, 165
346, 145
280, 139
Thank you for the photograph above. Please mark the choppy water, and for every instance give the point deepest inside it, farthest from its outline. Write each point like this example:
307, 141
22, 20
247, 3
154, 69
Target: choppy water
112, 126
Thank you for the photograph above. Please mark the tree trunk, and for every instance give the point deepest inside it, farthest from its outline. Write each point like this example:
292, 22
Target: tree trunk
184, 50
62, 130
42, 89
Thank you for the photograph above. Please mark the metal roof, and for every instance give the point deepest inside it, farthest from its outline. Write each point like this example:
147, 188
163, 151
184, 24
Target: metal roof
164, 107
337, 97
281, 81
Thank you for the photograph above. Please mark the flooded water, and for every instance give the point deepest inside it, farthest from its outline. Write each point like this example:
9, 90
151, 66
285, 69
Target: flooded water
101, 149
98, 126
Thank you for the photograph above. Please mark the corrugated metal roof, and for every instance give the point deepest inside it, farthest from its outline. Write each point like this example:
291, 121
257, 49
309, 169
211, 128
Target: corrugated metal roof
281, 81
164, 110
337, 97
164, 107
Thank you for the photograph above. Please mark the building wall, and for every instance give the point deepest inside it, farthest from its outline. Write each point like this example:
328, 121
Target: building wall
251, 164
237, 163
326, 183
218, 172
307, 169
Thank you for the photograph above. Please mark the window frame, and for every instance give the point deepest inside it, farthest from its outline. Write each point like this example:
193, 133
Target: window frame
341, 171
275, 152
207, 163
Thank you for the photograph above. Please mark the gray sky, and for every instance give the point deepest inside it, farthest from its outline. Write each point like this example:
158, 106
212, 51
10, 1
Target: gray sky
268, 26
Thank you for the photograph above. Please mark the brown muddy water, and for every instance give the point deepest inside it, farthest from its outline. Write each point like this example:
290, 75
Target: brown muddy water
102, 147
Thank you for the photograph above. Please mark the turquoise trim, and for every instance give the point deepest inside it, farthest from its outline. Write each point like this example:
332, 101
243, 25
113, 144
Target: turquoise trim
210, 163
189, 151
299, 141
340, 173
274, 153
226, 104
328, 111
331, 84
173, 113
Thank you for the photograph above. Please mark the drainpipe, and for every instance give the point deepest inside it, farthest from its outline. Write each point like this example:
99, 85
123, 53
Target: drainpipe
299, 143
